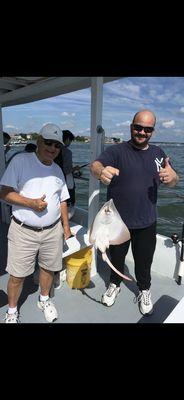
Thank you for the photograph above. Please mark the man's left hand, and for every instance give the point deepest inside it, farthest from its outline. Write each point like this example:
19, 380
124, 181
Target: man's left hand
167, 174
67, 233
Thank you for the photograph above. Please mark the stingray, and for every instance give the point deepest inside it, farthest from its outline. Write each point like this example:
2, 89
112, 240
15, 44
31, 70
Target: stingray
108, 228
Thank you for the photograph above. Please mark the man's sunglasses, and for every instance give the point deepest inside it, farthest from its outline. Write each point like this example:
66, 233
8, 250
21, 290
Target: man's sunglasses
147, 129
49, 142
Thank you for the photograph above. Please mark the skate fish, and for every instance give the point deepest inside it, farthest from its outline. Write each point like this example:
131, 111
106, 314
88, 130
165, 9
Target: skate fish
108, 228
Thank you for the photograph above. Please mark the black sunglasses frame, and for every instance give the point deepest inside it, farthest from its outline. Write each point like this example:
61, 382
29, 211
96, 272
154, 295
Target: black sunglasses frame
139, 128
49, 142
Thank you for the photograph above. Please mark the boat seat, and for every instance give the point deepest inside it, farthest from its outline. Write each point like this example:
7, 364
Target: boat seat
79, 241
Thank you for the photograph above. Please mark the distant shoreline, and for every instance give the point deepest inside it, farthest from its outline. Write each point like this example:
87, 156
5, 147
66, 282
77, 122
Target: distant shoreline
106, 142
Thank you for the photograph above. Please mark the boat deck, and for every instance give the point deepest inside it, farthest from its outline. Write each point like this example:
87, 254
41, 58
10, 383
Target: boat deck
84, 305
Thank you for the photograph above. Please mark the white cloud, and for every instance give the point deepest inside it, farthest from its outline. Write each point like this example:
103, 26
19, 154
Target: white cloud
117, 134
48, 122
168, 124
66, 125
122, 88
10, 127
126, 123
84, 131
67, 114
182, 109
13, 130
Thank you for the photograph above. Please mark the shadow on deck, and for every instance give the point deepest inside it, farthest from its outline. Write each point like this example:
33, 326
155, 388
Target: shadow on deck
162, 308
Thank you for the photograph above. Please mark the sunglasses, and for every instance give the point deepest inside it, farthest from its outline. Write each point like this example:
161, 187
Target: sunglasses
49, 142
147, 129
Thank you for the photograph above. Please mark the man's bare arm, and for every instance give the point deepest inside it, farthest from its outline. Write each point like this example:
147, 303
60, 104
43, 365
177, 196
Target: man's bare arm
104, 174
65, 220
96, 169
9, 195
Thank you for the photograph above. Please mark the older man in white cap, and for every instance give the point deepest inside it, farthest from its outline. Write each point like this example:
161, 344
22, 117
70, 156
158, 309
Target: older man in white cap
36, 188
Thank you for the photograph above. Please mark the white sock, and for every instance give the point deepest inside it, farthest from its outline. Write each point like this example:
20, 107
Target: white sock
12, 310
43, 298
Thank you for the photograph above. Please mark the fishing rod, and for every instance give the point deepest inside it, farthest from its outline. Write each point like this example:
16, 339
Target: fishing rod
77, 173
175, 238
84, 165
81, 166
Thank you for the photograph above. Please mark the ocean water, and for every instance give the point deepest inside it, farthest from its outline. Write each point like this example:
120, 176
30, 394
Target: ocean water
170, 205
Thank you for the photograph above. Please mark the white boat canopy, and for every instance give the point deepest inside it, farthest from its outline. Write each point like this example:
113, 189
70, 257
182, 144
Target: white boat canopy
20, 90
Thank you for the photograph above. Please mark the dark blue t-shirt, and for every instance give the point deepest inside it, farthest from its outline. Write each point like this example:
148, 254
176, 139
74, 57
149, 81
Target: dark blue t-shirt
134, 191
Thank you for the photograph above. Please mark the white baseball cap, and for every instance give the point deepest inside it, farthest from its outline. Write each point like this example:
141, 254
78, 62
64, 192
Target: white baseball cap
52, 132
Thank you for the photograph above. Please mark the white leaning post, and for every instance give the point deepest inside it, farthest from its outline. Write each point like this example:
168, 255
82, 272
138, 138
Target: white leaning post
95, 150
177, 315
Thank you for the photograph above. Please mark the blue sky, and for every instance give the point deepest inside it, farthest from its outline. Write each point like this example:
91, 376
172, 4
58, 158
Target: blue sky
122, 99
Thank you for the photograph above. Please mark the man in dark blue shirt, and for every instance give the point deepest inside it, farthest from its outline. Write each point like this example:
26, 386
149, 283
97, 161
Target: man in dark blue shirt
133, 171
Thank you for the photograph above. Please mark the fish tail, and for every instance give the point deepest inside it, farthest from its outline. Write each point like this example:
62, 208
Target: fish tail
106, 259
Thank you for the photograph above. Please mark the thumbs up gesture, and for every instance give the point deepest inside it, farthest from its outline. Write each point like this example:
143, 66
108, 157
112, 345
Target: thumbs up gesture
167, 174
39, 204
166, 161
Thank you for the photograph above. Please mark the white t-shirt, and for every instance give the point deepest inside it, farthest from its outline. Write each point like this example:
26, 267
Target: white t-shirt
31, 178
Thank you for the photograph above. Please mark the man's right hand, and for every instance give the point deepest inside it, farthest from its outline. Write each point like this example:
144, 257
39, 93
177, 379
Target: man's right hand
107, 174
39, 204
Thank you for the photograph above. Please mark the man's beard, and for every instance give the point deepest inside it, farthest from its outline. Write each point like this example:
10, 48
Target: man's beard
137, 144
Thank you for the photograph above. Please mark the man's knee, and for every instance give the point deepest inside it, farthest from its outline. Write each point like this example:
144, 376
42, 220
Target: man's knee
15, 280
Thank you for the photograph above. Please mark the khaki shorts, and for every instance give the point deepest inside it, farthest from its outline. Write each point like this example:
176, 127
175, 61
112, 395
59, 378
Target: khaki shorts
24, 244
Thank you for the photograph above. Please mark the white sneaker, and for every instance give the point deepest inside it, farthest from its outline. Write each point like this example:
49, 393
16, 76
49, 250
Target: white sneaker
110, 295
12, 318
48, 309
145, 303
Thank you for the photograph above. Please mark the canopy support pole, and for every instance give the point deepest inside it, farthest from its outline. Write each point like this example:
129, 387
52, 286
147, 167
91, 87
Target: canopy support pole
95, 150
